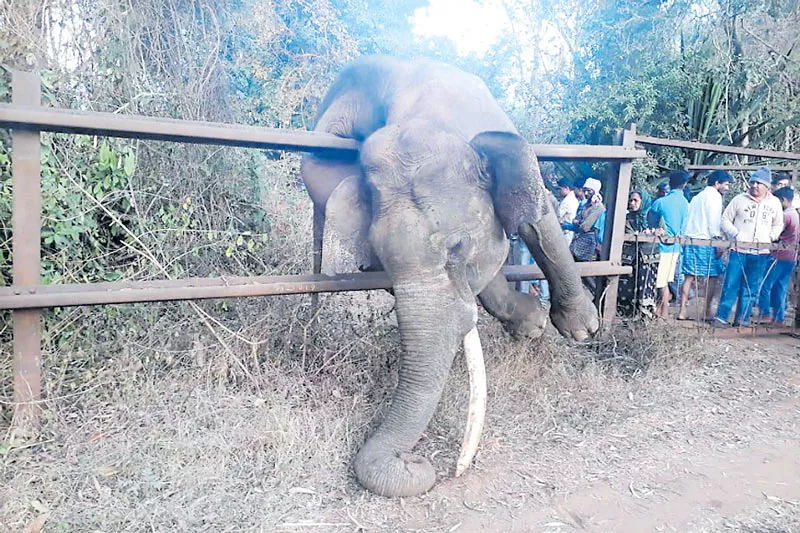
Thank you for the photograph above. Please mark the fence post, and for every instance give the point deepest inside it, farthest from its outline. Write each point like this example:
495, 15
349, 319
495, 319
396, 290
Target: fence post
795, 178
616, 202
26, 226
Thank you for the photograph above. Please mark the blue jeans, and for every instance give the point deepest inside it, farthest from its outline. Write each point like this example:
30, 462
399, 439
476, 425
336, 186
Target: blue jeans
523, 257
742, 283
676, 284
775, 292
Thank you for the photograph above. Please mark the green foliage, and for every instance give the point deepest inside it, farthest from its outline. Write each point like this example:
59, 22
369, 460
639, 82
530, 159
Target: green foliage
718, 71
82, 239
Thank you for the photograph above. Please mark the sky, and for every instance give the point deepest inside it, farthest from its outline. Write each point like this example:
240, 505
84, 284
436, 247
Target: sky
471, 26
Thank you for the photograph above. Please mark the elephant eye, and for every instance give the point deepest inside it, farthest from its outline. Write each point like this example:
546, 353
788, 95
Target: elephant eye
457, 248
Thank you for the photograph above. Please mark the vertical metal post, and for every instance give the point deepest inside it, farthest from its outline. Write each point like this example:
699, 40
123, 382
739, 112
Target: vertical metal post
797, 304
26, 223
796, 285
617, 200
796, 278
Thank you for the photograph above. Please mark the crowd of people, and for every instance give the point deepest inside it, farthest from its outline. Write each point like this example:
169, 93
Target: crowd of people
753, 278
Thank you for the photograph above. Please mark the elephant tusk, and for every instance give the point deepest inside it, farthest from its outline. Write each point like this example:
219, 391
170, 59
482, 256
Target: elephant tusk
477, 400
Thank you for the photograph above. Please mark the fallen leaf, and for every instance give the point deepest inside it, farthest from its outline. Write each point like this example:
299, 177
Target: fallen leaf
38, 524
39, 506
300, 490
106, 471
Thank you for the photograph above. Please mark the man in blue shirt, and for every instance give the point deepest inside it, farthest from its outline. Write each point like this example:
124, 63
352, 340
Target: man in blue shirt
668, 215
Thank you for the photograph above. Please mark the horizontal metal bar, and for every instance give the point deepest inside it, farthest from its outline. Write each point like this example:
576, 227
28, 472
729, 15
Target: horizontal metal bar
719, 148
585, 152
758, 330
716, 243
742, 168
165, 129
66, 295
588, 269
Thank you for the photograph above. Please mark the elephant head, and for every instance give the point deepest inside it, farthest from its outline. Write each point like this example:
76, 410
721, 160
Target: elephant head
430, 200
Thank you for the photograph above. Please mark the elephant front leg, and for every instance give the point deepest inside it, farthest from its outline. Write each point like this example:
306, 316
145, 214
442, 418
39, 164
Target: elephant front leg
521, 314
571, 309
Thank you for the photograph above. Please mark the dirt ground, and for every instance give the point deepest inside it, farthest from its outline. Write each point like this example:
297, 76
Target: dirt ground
724, 456
703, 437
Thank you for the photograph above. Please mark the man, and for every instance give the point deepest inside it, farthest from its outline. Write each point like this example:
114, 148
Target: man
782, 179
662, 189
580, 195
774, 293
567, 207
703, 222
755, 216
668, 214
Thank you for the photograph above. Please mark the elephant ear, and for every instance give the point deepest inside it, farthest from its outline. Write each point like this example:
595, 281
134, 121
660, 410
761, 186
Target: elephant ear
345, 241
515, 180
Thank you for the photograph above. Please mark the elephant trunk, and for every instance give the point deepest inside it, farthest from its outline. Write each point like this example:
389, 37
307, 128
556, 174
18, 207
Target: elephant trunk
433, 319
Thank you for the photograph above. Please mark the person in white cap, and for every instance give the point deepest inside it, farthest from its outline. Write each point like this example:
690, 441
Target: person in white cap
755, 216
587, 223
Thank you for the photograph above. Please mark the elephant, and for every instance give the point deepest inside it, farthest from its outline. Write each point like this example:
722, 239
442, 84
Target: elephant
441, 180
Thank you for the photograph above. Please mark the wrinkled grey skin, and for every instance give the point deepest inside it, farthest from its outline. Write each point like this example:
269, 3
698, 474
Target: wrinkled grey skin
442, 178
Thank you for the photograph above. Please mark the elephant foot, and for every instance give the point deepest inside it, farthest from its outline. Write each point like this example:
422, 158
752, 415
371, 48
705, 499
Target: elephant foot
575, 318
393, 474
529, 324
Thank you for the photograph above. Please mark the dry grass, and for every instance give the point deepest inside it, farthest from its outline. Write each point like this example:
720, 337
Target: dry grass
775, 516
177, 434
165, 436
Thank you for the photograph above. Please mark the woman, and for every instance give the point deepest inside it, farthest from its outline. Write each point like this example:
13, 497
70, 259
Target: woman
637, 291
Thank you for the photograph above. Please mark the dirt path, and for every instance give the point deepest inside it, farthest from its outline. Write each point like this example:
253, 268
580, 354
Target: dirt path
721, 454
695, 494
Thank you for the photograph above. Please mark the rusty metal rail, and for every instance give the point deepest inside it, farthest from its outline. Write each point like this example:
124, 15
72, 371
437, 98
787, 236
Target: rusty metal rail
738, 332
66, 295
31, 118
34, 118
718, 148
742, 168
716, 243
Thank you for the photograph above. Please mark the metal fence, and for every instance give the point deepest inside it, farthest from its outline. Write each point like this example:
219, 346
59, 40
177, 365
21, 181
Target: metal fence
27, 296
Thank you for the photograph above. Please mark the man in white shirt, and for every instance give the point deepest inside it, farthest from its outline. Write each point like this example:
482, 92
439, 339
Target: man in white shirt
703, 263
755, 216
567, 207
